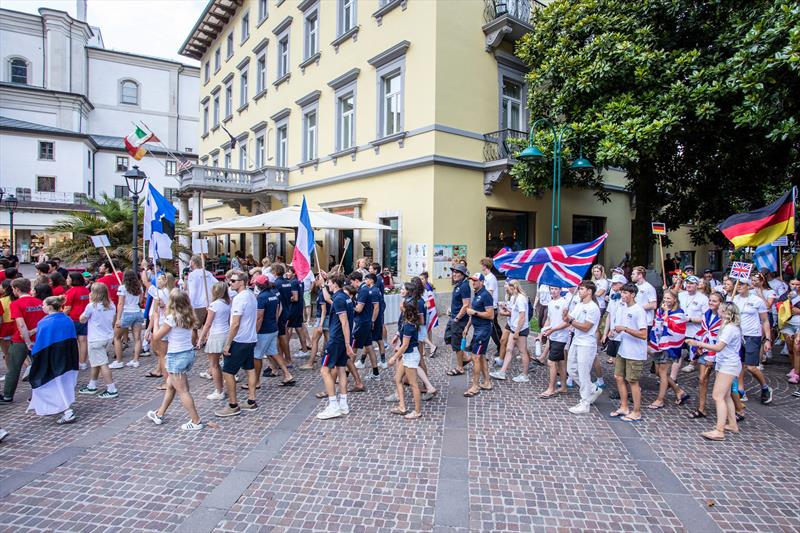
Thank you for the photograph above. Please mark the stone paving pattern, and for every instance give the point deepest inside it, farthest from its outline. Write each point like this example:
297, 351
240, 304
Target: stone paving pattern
528, 464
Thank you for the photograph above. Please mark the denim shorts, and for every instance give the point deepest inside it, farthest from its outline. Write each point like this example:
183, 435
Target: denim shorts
81, 330
411, 359
325, 323
129, 320
267, 345
180, 362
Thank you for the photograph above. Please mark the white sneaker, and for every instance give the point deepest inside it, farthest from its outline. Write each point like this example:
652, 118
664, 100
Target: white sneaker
157, 420
191, 426
522, 378
3, 434
301, 354
359, 365
116, 365
205, 375
498, 361
373, 377
688, 368
132, 364
81, 366
579, 409
383, 365
216, 396
499, 374
595, 395
237, 378
331, 411
344, 409
391, 398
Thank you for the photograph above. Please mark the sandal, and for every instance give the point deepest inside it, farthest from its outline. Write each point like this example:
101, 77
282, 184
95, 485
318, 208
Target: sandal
321, 395
545, 396
397, 411
739, 417
357, 389
710, 435
455, 372
161, 387
728, 428
655, 407
697, 414
627, 418
247, 387
290, 383
485, 387
683, 399
151, 375
413, 415
470, 394
620, 412
433, 351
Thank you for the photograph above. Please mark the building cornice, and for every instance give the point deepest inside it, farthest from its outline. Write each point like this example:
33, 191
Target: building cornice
345, 79
308, 99
139, 60
15, 88
283, 26
390, 54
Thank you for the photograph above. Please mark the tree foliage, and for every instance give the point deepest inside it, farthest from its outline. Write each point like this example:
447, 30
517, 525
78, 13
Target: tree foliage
695, 100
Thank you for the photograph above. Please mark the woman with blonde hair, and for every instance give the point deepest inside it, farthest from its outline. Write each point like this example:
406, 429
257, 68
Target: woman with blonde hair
98, 319
727, 365
165, 282
214, 334
179, 323
518, 328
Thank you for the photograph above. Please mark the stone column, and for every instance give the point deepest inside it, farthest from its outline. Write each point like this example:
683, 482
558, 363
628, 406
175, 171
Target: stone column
183, 217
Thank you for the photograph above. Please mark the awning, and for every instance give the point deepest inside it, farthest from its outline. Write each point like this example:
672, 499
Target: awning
286, 219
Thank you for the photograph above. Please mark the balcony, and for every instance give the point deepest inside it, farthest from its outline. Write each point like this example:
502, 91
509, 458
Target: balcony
38, 199
496, 145
228, 183
507, 20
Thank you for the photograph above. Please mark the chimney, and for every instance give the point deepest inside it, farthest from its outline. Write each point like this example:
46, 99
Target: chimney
81, 10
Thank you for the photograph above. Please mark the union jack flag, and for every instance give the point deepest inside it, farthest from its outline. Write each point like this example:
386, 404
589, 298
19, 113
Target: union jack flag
557, 266
430, 309
668, 332
741, 270
708, 332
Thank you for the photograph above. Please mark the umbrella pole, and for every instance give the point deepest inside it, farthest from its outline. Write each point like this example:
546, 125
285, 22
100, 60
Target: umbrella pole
344, 252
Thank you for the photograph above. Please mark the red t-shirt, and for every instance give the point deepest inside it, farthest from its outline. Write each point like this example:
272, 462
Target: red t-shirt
2, 275
77, 300
112, 282
29, 309
59, 290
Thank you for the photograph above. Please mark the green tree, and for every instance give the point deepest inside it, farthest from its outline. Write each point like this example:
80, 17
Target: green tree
695, 100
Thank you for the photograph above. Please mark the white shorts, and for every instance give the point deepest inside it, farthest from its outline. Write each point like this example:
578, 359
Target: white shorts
411, 359
215, 343
98, 353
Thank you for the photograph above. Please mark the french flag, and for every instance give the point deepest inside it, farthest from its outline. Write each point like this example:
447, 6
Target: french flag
304, 244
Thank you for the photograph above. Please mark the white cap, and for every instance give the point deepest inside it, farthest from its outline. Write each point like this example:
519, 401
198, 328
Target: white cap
619, 278
271, 277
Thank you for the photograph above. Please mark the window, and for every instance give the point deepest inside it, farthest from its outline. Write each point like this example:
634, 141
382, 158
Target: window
312, 34
243, 156
171, 194
391, 104
207, 72
122, 163
227, 160
171, 167
310, 136
215, 161
89, 158
120, 191
506, 228
229, 46
260, 159
45, 183
262, 10
243, 88
205, 118
282, 151
588, 228
129, 92
283, 56
216, 60
345, 120
390, 245
245, 27
19, 70
47, 150
216, 110
347, 16
261, 73
228, 99
511, 107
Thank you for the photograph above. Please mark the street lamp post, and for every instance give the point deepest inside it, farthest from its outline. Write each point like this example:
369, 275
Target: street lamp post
11, 203
135, 180
532, 153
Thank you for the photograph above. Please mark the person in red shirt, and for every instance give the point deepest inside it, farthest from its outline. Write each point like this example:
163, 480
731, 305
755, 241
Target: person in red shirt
77, 298
58, 283
26, 311
108, 279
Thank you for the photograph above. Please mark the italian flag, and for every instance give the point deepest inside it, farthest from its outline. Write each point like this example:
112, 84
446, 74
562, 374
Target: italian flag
134, 142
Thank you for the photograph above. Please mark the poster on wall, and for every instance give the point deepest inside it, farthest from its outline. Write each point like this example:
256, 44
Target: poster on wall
443, 257
416, 258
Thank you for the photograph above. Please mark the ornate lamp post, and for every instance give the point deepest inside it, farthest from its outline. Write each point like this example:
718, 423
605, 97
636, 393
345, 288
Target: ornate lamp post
11, 203
135, 180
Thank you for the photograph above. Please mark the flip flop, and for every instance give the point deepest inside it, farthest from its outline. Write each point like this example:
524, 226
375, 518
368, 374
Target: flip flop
151, 375
626, 418
683, 399
619, 412
545, 396
469, 394
739, 417
321, 395
433, 351
455, 372
483, 387
412, 415
655, 407
697, 414
707, 436
247, 387
357, 389
397, 411
290, 383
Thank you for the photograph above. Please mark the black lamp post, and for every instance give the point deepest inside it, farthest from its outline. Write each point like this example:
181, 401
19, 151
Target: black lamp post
11, 203
135, 180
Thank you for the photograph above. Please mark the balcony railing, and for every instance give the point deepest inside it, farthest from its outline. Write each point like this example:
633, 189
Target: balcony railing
232, 180
517, 9
27, 196
496, 145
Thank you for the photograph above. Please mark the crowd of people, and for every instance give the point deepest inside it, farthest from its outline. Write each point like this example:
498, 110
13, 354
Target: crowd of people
244, 324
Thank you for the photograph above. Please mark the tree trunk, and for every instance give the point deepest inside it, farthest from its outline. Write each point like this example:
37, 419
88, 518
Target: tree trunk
643, 188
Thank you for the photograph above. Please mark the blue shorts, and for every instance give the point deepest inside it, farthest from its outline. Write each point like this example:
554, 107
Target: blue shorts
377, 329
80, 329
267, 345
295, 321
750, 352
362, 335
129, 320
335, 355
480, 342
282, 325
241, 357
180, 362
326, 324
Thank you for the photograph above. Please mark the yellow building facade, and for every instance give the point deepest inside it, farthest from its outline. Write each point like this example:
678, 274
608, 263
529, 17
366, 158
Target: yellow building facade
390, 111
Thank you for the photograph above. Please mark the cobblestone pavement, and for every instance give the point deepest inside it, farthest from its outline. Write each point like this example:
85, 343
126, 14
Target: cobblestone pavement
504, 460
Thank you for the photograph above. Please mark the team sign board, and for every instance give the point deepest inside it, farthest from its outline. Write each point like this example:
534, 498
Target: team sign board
100, 240
741, 271
659, 228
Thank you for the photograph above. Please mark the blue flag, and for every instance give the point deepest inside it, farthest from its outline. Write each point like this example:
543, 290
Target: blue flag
766, 256
159, 223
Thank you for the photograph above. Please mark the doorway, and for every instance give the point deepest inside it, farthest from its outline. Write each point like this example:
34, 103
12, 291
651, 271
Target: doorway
347, 262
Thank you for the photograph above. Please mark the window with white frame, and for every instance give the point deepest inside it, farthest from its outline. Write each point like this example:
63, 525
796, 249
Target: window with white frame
228, 99
282, 146
243, 156
47, 150
229, 46
511, 106
215, 161
312, 33
345, 121
261, 72
262, 10
216, 110
245, 27
171, 194
310, 135
347, 16
171, 167
45, 183
217, 54
122, 163
391, 103
205, 118
283, 56
18, 70
129, 92
243, 87
120, 191
260, 155
227, 159
206, 72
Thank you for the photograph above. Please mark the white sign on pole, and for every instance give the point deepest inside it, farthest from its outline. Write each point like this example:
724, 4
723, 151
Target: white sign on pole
200, 246
100, 240
741, 270
782, 241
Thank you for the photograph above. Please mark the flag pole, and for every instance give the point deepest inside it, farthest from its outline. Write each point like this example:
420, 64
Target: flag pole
111, 262
164, 146
663, 270
344, 252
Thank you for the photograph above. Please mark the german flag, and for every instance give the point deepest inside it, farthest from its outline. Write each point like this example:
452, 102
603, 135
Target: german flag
763, 225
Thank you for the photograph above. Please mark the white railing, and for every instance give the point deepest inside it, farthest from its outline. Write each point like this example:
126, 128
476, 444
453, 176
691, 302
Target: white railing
264, 178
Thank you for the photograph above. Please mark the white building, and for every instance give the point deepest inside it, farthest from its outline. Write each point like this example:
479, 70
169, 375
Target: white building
66, 103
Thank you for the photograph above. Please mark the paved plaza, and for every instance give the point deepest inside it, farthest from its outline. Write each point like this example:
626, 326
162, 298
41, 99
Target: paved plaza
502, 461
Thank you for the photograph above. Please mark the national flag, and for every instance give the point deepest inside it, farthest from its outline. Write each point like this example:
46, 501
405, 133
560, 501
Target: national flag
54, 367
557, 266
159, 223
233, 139
741, 270
183, 163
304, 244
431, 312
784, 307
668, 332
762, 225
766, 256
708, 332
659, 228
134, 142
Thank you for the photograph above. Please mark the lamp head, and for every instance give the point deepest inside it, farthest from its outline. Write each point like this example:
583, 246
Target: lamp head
581, 164
11, 202
530, 154
135, 179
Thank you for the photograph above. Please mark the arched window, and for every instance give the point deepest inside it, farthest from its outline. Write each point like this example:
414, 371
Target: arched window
129, 92
19, 70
